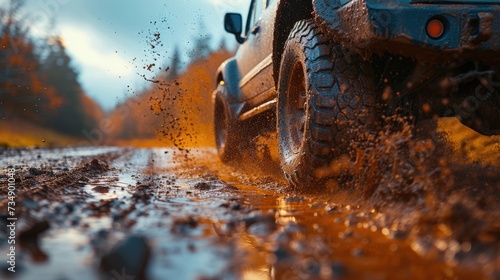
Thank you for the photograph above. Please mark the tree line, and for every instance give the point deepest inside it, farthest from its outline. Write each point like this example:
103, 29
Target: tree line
37, 80
39, 84
177, 108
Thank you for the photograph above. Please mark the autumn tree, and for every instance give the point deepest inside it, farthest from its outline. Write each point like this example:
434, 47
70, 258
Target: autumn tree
201, 45
37, 81
175, 65
23, 91
69, 116
222, 45
178, 113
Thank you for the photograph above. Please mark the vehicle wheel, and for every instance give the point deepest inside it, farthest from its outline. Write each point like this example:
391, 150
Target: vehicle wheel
226, 129
326, 100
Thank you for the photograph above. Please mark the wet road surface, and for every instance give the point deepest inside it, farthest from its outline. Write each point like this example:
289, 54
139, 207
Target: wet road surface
125, 213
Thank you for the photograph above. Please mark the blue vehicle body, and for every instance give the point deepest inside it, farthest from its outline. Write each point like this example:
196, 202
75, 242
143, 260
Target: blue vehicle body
432, 54
324, 73
472, 28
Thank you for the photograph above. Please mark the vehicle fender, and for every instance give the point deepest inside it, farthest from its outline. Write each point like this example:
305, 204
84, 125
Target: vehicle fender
335, 17
345, 21
229, 74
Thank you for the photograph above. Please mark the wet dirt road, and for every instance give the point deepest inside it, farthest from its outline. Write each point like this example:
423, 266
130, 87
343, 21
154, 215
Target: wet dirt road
125, 213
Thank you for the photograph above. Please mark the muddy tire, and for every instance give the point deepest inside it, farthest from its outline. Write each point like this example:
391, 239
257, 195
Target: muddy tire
326, 100
226, 128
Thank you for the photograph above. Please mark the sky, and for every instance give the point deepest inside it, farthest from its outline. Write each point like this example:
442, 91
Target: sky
108, 40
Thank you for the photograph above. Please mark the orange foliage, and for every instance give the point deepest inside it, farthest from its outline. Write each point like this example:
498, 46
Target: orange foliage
177, 112
91, 108
38, 88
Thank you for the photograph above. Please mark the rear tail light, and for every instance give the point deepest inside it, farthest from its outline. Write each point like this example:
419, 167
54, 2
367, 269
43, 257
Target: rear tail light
435, 28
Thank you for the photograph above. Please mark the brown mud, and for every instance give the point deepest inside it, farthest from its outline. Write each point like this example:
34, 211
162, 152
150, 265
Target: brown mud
413, 207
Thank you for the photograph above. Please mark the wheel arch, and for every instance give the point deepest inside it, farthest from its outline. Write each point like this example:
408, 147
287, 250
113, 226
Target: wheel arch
228, 73
288, 13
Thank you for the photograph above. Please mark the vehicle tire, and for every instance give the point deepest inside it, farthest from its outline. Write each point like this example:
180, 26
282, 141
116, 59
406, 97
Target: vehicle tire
326, 100
227, 132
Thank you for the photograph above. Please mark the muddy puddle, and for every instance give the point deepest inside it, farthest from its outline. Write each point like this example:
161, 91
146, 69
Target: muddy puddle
313, 236
167, 214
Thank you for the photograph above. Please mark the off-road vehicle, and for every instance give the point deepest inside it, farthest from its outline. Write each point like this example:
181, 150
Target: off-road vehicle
330, 69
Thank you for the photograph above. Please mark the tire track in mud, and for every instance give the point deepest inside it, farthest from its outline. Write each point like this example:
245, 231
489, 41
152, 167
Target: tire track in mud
96, 219
49, 200
315, 236
423, 191
152, 212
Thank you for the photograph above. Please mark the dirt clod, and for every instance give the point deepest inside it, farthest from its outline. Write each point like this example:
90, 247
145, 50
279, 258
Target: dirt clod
101, 189
30, 238
184, 225
34, 230
96, 165
202, 186
130, 258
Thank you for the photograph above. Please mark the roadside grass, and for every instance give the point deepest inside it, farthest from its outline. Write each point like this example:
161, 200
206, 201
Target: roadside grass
161, 143
140, 143
16, 133
195, 137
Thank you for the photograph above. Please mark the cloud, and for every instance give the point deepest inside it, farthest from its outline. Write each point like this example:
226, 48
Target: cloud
81, 44
104, 72
104, 37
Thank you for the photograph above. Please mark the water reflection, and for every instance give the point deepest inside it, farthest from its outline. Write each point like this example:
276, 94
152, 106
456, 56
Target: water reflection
317, 239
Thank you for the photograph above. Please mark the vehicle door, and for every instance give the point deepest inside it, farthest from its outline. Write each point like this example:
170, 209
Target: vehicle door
254, 56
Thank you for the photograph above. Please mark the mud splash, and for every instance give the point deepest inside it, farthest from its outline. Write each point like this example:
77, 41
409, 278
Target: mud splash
207, 220
174, 109
314, 236
428, 191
